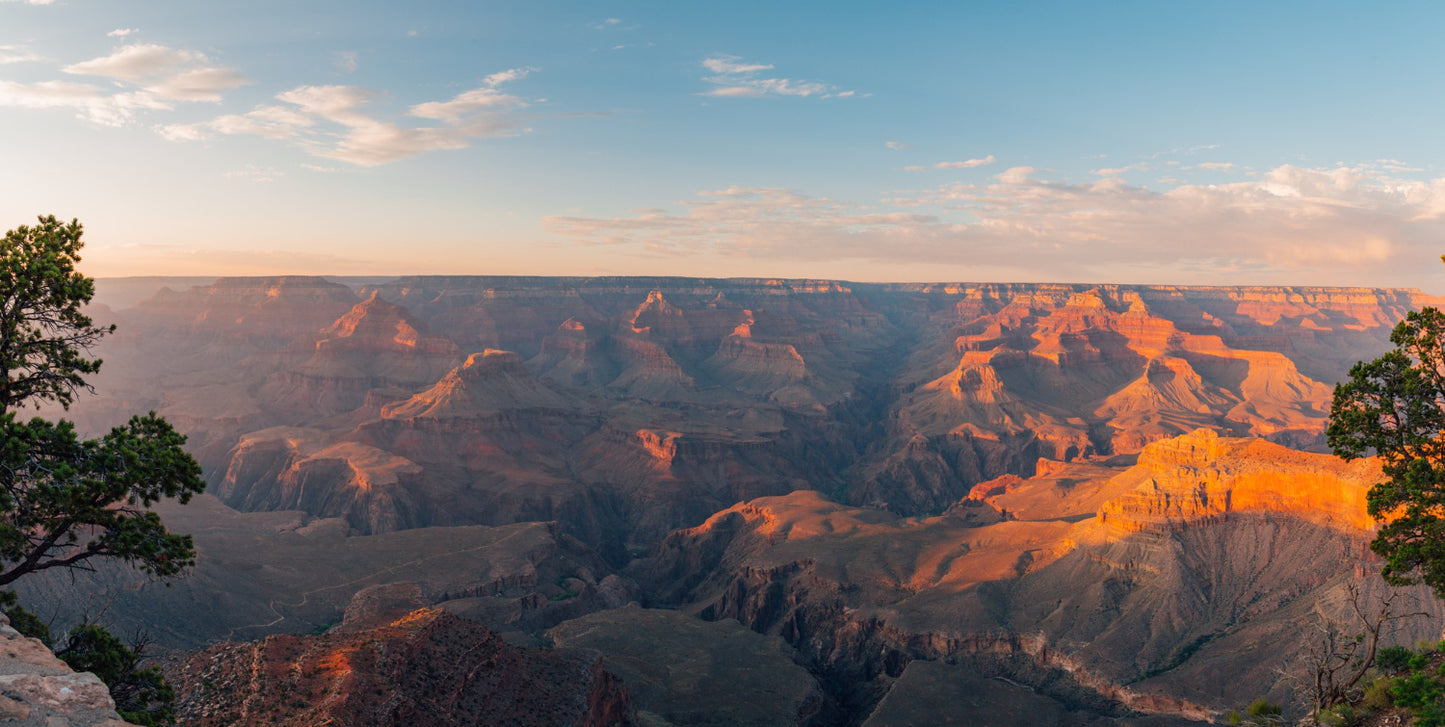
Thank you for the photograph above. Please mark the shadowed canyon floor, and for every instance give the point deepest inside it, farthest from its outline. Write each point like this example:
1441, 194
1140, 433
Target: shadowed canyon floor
1103, 503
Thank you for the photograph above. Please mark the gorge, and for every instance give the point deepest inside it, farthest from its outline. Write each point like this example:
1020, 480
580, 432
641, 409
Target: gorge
1110, 504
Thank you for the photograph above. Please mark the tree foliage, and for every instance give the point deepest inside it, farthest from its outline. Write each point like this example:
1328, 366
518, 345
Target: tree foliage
141, 694
1394, 407
44, 336
64, 500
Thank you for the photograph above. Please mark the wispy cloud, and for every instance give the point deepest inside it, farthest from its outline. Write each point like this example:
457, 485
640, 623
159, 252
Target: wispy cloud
334, 122
29, 2
735, 78
168, 73
255, 173
1348, 225
90, 102
895, 145
730, 65
17, 54
135, 62
121, 32
346, 60
1120, 171
149, 77
965, 164
1393, 165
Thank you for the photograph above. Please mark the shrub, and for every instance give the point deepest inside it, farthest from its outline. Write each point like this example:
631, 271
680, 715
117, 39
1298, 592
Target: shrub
1422, 694
1393, 659
1340, 715
1263, 708
1379, 694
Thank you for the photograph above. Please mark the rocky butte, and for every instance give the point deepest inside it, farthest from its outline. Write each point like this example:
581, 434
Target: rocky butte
789, 502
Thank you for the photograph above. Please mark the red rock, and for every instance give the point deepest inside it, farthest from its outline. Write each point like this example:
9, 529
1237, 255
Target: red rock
426, 667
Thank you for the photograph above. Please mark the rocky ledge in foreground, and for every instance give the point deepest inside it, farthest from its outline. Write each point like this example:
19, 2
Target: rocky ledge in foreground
39, 690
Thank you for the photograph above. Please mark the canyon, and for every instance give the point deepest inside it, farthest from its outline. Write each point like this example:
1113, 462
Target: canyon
1109, 504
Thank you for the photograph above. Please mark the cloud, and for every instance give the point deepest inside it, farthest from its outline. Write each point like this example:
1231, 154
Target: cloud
121, 32
736, 79
272, 122
90, 102
148, 77
335, 122
895, 145
201, 84
729, 64
1394, 165
511, 74
1216, 166
255, 173
17, 54
135, 62
965, 164
165, 73
29, 2
1342, 226
346, 60
1118, 171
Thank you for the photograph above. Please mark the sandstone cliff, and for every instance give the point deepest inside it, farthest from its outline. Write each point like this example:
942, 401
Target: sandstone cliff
1002, 479
375, 347
1157, 587
1201, 477
39, 690
633, 394
1008, 374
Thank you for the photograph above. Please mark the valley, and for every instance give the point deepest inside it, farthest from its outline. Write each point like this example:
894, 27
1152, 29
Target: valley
790, 502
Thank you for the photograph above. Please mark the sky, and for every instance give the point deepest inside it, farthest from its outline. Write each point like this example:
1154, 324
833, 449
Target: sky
1220, 143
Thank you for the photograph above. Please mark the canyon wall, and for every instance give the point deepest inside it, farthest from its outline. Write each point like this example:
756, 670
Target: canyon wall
1108, 502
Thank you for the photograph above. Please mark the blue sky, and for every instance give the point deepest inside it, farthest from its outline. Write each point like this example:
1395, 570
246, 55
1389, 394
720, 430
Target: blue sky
1207, 143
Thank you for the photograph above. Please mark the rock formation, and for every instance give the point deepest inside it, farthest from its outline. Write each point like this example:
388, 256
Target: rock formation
39, 690
425, 667
375, 347
1105, 493
1143, 584
662, 400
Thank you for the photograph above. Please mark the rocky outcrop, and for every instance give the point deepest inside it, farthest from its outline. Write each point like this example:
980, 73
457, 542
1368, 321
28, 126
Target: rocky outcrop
1137, 586
426, 667
39, 690
488, 382
1066, 372
288, 468
1203, 477
376, 346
